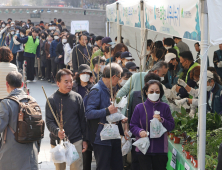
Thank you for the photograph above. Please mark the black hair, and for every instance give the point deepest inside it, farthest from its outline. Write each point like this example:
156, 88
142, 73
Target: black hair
51, 35
63, 72
158, 44
59, 20
70, 40
96, 59
172, 50
151, 76
197, 43
216, 76
117, 55
81, 36
14, 79
30, 33
95, 46
169, 42
42, 27
99, 38
149, 42
187, 55
149, 83
36, 30
65, 30
22, 30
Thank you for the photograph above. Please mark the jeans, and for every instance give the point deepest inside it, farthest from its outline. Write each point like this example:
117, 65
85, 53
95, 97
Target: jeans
30, 72
20, 64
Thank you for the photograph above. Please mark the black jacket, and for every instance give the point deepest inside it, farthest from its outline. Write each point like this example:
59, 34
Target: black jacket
78, 58
73, 111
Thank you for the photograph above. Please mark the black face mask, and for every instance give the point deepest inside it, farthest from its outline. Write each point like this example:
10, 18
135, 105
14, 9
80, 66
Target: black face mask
171, 66
181, 65
43, 37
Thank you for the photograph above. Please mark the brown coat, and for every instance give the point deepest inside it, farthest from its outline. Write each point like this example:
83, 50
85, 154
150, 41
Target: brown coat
47, 46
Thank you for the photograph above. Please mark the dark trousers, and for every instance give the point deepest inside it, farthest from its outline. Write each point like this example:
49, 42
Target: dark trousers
134, 159
219, 165
109, 157
61, 66
30, 72
43, 71
153, 162
53, 68
14, 59
87, 160
48, 72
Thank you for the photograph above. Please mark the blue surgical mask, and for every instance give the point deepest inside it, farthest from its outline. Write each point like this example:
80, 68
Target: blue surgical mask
37, 37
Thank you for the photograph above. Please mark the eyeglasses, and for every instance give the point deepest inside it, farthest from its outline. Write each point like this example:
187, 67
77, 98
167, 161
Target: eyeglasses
118, 76
151, 92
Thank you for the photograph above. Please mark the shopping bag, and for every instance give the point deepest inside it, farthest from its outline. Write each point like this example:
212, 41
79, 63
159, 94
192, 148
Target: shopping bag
115, 117
127, 147
70, 153
123, 140
58, 154
122, 103
156, 127
110, 131
143, 144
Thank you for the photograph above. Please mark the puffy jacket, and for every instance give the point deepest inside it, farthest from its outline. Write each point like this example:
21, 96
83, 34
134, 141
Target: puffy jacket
96, 111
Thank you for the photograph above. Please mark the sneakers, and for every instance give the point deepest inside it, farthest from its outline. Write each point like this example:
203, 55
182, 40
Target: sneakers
29, 81
49, 80
43, 78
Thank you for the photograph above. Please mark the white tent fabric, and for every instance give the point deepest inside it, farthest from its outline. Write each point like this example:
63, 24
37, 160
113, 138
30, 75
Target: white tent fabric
215, 24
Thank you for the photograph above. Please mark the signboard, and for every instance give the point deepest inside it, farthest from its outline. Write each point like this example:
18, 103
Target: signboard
174, 159
173, 17
111, 13
78, 26
38, 15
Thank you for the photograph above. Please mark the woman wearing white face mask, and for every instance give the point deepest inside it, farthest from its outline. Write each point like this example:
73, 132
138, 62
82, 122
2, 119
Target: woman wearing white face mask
131, 66
125, 58
156, 156
117, 57
81, 83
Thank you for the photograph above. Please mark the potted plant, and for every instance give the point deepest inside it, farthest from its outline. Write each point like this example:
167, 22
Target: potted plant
187, 149
177, 133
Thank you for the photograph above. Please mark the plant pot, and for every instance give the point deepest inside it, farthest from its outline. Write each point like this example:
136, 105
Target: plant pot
171, 136
187, 154
195, 162
176, 140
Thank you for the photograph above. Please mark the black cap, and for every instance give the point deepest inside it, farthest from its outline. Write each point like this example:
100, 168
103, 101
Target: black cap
127, 55
131, 65
107, 40
126, 73
84, 68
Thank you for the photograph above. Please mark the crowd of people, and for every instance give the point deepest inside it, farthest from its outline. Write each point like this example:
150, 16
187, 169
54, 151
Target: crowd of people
91, 72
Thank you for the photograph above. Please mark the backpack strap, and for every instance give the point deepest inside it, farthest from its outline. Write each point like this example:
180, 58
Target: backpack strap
5, 133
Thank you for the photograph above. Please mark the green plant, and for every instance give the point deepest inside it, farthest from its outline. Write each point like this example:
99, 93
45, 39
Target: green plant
177, 133
193, 151
118, 99
210, 163
188, 147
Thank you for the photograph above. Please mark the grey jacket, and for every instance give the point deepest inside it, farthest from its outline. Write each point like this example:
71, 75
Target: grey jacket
13, 155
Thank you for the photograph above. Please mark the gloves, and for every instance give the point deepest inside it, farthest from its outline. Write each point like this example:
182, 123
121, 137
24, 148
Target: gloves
181, 102
194, 92
192, 111
182, 83
219, 64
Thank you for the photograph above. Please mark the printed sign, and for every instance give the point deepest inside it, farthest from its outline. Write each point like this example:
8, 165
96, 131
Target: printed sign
78, 26
174, 159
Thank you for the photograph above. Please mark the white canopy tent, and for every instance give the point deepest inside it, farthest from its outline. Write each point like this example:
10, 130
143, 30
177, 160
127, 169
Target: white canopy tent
166, 18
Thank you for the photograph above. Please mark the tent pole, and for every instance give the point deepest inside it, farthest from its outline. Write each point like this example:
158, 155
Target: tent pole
143, 36
203, 87
107, 29
118, 25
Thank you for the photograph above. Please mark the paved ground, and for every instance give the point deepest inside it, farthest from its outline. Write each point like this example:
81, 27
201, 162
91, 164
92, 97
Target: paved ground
37, 93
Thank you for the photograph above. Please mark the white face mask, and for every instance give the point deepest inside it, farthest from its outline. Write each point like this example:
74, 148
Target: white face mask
3, 25
118, 61
22, 35
84, 77
50, 28
161, 78
64, 41
17, 31
209, 88
56, 37
123, 82
168, 47
102, 67
53, 28
133, 72
12, 32
153, 97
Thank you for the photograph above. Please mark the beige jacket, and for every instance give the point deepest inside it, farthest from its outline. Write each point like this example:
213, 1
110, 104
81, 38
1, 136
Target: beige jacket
5, 68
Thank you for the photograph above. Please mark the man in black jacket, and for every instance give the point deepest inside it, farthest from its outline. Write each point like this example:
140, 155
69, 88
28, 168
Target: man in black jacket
73, 113
81, 53
60, 52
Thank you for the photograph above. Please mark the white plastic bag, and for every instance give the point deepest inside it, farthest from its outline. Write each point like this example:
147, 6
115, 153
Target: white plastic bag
127, 147
122, 103
58, 154
115, 117
71, 153
156, 127
143, 144
110, 131
123, 140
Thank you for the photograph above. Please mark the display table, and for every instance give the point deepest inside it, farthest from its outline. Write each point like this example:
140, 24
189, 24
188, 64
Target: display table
181, 160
